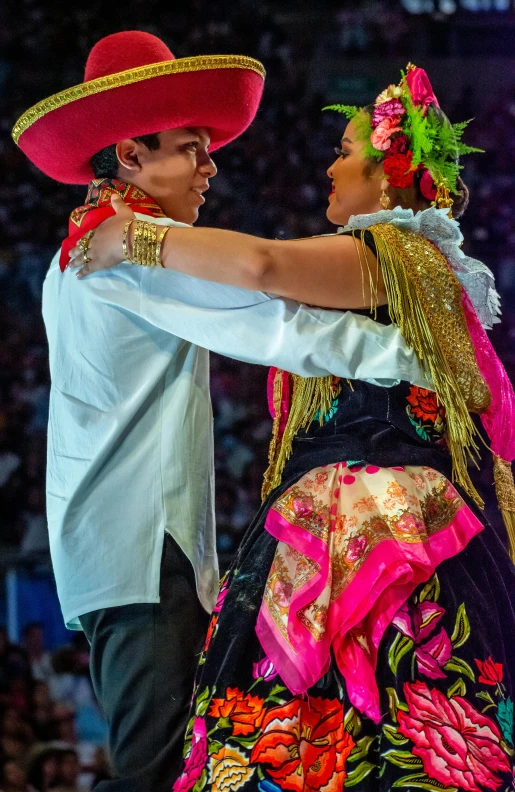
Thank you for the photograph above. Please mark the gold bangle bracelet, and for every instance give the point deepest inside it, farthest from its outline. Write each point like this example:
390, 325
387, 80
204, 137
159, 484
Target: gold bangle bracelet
124, 241
162, 235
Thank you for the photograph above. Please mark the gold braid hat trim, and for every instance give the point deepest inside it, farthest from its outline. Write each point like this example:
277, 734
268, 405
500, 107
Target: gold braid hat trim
310, 395
424, 298
119, 79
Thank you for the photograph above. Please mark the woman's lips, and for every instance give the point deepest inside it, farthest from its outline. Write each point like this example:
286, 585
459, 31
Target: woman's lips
332, 192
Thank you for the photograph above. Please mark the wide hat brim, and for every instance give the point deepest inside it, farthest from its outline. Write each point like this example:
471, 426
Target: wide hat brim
219, 92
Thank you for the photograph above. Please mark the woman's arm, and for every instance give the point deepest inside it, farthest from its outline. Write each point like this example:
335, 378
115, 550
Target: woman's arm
323, 271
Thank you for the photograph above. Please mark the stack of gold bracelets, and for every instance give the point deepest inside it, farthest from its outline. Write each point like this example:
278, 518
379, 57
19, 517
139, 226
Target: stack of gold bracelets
146, 245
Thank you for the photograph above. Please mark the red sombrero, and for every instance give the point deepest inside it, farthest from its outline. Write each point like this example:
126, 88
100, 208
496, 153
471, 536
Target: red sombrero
133, 85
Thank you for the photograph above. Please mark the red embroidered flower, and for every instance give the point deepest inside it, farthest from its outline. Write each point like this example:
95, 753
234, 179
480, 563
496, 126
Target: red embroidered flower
210, 631
491, 673
306, 744
195, 760
398, 171
418, 621
458, 745
424, 405
245, 712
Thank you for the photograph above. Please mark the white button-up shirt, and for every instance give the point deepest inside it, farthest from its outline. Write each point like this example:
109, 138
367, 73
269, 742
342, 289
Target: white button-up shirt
130, 442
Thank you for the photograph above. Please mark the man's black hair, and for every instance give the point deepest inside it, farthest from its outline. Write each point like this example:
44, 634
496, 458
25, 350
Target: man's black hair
105, 162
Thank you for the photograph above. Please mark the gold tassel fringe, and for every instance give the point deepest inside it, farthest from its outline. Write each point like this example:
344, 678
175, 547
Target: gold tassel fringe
505, 491
310, 395
424, 298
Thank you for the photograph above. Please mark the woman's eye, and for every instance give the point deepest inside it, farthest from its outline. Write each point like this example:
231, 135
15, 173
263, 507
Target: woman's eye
340, 152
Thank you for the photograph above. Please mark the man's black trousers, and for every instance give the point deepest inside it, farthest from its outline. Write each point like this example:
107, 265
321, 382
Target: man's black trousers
143, 662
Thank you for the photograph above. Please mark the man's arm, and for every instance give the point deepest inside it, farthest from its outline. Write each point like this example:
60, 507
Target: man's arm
256, 328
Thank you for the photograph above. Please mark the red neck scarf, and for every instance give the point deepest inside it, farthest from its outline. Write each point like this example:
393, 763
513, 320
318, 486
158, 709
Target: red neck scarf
98, 208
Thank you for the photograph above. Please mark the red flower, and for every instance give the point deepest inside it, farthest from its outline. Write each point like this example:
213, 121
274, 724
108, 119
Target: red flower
196, 759
433, 655
424, 405
210, 631
491, 673
244, 712
458, 745
306, 744
400, 144
397, 169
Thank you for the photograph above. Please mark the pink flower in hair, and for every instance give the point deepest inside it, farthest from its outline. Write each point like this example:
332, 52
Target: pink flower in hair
387, 109
420, 88
400, 144
427, 186
380, 137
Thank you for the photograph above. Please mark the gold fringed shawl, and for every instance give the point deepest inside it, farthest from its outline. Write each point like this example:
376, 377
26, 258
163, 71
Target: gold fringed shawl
311, 397
424, 298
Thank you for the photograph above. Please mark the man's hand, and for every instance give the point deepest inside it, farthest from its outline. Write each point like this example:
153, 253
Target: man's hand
104, 248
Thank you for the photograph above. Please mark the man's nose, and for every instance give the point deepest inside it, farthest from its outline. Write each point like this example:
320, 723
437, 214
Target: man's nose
207, 167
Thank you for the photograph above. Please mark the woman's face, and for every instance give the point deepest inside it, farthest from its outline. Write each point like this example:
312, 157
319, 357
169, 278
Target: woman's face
353, 191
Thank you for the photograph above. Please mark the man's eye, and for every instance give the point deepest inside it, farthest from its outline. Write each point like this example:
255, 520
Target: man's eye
193, 143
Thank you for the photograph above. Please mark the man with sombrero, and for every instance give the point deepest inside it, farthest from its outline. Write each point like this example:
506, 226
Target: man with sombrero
130, 457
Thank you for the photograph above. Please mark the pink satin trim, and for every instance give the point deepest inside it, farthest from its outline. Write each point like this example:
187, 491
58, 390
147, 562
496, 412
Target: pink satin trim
390, 574
499, 419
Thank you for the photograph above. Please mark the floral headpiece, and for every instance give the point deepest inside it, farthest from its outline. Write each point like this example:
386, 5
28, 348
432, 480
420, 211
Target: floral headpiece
406, 135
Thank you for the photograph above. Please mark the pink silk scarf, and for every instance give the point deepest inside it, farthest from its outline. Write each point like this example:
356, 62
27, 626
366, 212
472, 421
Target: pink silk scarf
353, 544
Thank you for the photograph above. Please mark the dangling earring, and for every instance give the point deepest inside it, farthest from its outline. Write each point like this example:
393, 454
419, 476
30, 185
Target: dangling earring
384, 200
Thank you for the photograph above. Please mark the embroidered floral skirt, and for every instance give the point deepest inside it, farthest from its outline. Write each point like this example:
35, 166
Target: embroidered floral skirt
388, 619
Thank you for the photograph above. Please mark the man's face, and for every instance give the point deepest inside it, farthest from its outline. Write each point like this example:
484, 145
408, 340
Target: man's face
175, 175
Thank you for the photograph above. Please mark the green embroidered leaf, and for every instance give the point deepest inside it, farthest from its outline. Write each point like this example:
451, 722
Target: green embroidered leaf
431, 590
403, 759
187, 748
247, 742
393, 734
352, 722
361, 749
422, 781
202, 708
394, 705
277, 689
189, 727
505, 718
214, 746
401, 646
260, 773
458, 689
201, 783
461, 628
359, 773
419, 429
486, 697
459, 665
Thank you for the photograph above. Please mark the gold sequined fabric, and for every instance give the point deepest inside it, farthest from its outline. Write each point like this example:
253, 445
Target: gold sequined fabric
424, 298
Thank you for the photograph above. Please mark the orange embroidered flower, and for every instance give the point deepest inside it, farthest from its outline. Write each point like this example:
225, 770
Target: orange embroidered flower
306, 744
424, 405
244, 712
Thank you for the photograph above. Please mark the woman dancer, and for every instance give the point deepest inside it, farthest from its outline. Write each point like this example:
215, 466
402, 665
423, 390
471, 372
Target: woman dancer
364, 634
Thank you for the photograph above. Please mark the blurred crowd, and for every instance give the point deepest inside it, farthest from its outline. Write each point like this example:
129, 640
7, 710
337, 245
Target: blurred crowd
51, 733
271, 182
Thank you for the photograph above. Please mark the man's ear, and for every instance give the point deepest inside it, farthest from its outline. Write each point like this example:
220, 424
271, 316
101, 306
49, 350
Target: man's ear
128, 154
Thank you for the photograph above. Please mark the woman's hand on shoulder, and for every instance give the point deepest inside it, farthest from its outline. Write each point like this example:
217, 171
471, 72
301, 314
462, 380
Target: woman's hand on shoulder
104, 248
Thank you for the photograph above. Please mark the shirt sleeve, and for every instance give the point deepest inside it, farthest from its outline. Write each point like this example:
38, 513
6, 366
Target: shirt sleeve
259, 328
